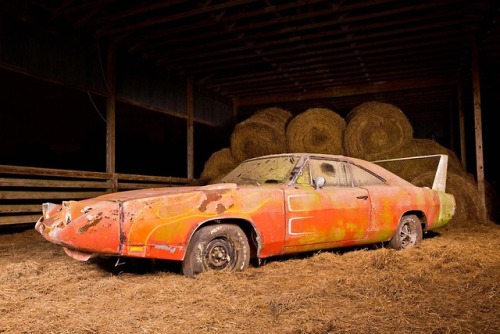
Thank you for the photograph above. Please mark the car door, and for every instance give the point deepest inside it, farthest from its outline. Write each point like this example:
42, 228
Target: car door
335, 213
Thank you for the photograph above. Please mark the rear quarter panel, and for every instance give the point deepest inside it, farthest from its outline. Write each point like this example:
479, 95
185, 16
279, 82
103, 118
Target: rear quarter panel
390, 203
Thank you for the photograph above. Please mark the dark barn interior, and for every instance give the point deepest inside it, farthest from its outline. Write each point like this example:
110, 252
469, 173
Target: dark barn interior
100, 96
175, 77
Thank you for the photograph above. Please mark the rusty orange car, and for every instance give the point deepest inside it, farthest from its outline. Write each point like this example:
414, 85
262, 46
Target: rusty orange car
267, 206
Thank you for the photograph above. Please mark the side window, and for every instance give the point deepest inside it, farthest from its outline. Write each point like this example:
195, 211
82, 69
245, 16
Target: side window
334, 172
362, 177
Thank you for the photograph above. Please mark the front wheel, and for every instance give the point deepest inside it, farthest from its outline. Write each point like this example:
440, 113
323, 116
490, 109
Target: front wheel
216, 247
408, 233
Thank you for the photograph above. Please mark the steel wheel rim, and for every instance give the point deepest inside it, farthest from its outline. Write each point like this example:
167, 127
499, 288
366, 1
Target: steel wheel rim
408, 236
219, 254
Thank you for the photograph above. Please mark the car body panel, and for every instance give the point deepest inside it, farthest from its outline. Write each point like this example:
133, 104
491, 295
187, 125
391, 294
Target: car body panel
274, 197
308, 222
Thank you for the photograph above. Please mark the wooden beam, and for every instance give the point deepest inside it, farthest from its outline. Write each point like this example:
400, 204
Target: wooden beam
12, 220
46, 78
149, 178
301, 61
476, 90
153, 21
143, 42
340, 91
340, 71
265, 29
8, 169
111, 116
34, 183
49, 195
139, 9
317, 41
318, 81
190, 137
20, 208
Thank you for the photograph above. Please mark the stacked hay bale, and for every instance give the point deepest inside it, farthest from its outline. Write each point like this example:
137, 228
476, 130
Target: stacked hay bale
379, 131
371, 131
261, 134
409, 169
218, 165
375, 130
470, 209
316, 130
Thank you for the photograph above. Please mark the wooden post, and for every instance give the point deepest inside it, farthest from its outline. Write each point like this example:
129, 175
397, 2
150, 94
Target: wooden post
111, 116
477, 122
190, 137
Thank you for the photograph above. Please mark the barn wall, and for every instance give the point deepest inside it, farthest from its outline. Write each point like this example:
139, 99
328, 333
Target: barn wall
74, 60
149, 85
211, 110
145, 83
53, 106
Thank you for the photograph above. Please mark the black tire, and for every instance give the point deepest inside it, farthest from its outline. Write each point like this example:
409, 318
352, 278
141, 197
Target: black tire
216, 247
408, 233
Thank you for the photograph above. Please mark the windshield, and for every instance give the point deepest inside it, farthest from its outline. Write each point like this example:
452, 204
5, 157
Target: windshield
271, 170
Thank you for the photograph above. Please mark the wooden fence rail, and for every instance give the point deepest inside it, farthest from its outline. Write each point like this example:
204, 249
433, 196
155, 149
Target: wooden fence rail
23, 190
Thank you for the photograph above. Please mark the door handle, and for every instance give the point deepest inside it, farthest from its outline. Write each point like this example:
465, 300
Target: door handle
362, 197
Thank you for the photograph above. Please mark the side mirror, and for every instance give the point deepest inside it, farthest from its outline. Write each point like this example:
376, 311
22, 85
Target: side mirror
319, 182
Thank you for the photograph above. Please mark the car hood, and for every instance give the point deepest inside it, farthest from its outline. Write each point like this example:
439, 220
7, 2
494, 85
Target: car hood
124, 196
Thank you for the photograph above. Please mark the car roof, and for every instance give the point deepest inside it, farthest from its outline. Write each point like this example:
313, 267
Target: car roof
298, 154
374, 167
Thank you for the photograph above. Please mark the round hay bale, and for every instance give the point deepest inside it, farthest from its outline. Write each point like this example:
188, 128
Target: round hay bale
470, 209
219, 163
316, 130
261, 134
375, 130
273, 115
409, 169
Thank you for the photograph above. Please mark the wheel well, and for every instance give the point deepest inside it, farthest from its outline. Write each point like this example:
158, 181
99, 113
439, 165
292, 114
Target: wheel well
421, 216
245, 225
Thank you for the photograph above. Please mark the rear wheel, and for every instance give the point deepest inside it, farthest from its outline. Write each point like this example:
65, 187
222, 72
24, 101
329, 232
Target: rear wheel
408, 233
216, 247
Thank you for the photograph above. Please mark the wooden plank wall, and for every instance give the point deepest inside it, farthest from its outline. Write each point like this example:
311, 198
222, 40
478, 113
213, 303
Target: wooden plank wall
23, 190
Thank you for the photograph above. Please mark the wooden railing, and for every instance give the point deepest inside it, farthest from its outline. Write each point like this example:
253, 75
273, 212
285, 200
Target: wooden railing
23, 190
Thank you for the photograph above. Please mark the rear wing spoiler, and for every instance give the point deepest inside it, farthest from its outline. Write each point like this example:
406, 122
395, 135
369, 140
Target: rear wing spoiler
441, 171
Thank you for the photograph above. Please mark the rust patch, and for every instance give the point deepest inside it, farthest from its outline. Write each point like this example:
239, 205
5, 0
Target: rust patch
221, 208
211, 197
94, 222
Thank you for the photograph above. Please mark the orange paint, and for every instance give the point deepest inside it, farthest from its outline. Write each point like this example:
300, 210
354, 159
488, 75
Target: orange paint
286, 217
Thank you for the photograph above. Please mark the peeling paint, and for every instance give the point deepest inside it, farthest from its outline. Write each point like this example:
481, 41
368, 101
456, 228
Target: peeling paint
171, 249
221, 208
211, 197
94, 222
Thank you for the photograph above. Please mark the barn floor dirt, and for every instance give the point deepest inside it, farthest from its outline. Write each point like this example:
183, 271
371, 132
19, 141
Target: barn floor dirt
450, 283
